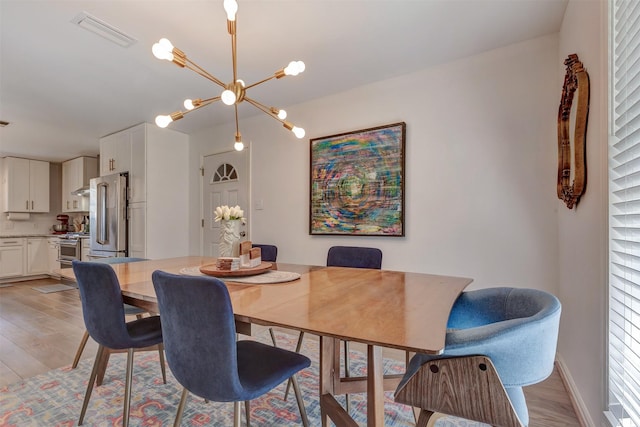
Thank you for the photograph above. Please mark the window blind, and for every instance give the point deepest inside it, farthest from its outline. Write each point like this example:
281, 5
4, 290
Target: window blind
624, 219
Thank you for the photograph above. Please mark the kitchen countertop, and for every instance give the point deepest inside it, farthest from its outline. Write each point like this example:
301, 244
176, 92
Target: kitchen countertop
9, 236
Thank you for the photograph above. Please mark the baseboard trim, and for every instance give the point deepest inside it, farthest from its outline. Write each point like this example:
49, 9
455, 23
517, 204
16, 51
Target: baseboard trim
26, 278
572, 390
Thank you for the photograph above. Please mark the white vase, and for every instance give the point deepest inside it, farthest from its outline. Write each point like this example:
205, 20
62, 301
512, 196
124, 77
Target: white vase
229, 245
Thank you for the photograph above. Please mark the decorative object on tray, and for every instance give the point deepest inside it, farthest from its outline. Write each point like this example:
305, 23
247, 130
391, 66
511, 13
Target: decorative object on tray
213, 270
357, 182
249, 256
231, 219
228, 263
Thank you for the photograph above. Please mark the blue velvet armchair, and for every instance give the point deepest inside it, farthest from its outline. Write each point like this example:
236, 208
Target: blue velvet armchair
498, 341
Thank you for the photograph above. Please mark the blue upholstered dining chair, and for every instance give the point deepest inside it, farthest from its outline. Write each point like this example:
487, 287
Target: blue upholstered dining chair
202, 350
103, 312
129, 310
355, 257
269, 252
498, 341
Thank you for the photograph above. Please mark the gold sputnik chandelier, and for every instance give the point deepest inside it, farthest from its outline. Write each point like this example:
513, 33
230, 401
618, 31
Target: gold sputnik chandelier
233, 93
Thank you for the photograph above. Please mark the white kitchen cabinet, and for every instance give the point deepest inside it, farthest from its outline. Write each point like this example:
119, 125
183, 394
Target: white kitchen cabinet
11, 257
76, 174
37, 256
137, 230
158, 164
25, 185
53, 251
115, 153
85, 248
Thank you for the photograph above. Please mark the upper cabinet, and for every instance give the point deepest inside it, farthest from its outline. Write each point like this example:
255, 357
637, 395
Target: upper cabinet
115, 153
76, 174
25, 185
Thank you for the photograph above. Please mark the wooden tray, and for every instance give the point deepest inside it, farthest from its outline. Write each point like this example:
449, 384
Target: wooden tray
212, 270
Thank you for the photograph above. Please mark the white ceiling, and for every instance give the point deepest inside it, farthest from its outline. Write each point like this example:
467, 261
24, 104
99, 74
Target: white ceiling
63, 87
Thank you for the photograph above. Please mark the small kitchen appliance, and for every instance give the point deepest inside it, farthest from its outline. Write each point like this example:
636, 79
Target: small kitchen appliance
63, 227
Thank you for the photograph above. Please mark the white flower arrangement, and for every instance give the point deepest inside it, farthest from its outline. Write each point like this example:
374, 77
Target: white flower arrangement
226, 213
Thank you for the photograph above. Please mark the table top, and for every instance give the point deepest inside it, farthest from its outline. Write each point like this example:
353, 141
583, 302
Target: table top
408, 311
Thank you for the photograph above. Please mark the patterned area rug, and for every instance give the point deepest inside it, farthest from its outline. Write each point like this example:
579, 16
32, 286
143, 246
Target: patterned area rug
55, 398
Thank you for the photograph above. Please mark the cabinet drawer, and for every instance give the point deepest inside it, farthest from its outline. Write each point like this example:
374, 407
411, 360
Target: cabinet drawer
11, 241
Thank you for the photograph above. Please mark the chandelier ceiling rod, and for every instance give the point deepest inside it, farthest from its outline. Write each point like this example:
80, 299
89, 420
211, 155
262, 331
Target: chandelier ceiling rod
234, 92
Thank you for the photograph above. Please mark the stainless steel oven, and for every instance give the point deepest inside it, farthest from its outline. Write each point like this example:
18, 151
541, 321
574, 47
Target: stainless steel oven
70, 249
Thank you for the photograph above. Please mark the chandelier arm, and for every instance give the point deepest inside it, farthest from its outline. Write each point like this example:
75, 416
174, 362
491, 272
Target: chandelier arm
203, 103
204, 73
263, 108
234, 55
237, 126
261, 81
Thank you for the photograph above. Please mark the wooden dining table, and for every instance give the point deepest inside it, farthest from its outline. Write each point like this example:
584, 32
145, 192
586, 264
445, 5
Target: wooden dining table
378, 308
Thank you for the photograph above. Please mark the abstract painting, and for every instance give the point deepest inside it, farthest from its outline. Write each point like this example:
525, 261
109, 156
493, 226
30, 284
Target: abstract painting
357, 182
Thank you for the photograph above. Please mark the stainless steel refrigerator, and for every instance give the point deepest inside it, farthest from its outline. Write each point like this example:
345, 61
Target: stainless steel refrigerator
108, 216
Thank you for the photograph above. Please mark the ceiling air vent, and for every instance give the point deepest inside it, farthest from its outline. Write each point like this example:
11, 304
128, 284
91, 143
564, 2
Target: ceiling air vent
103, 29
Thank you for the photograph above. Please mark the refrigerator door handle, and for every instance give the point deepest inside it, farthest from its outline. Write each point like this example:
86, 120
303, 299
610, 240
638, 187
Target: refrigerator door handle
102, 235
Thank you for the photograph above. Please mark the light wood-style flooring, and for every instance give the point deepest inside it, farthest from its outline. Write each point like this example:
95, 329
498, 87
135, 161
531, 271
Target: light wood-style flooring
40, 332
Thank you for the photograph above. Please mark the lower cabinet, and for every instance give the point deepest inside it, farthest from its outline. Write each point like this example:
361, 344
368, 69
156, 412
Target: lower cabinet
53, 250
11, 257
37, 256
85, 248
30, 256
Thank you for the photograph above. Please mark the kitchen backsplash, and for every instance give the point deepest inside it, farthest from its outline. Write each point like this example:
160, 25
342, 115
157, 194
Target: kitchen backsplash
36, 224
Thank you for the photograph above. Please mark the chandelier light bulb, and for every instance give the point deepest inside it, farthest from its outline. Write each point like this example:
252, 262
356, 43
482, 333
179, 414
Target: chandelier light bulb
294, 68
163, 121
188, 104
298, 132
163, 50
228, 97
282, 114
231, 7
239, 145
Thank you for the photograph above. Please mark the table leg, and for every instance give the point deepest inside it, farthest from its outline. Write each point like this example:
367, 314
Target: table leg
327, 350
375, 387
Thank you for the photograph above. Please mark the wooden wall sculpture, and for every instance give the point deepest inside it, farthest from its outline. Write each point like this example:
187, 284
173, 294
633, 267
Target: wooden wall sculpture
573, 114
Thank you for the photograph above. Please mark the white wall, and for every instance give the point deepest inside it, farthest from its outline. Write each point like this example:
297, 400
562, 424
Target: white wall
480, 168
481, 180
582, 232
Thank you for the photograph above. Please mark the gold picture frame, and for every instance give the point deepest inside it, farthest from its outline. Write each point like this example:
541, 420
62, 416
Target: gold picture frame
573, 114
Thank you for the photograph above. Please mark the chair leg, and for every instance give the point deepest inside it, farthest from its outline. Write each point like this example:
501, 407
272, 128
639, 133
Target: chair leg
247, 412
183, 400
347, 373
273, 337
83, 343
162, 364
127, 388
236, 414
298, 347
303, 411
92, 380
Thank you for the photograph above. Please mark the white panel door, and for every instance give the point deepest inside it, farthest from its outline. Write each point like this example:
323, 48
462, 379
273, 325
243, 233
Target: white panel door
225, 182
